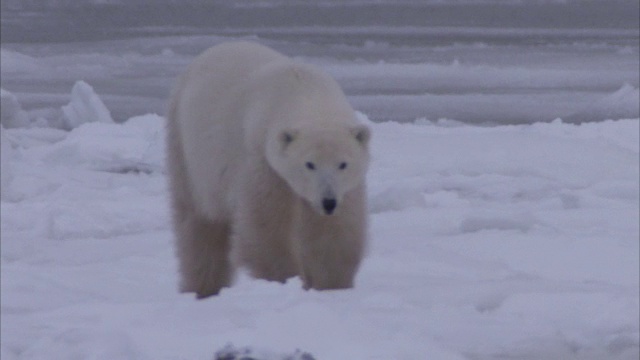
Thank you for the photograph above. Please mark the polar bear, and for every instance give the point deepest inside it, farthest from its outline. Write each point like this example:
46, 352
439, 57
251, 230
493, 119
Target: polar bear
267, 165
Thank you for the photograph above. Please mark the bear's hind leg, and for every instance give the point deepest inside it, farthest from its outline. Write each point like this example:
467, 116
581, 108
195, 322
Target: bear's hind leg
203, 253
202, 246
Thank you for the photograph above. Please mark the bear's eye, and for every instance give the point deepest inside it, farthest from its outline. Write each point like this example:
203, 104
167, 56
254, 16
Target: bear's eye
310, 165
342, 166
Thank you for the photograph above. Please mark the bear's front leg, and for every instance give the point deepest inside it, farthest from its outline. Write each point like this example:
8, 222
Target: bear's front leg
331, 247
262, 226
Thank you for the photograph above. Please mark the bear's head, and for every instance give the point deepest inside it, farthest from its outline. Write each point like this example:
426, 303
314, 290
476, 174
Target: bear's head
321, 165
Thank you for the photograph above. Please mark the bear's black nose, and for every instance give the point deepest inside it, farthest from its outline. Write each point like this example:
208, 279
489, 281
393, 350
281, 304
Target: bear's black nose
329, 205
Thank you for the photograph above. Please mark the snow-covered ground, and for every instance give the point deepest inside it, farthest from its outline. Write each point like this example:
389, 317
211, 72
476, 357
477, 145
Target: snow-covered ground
508, 242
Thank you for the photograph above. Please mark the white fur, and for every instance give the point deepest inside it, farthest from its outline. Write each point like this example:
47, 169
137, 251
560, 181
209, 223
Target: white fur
257, 144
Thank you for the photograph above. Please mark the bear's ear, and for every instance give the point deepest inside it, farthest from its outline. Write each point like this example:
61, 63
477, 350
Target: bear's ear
286, 137
362, 134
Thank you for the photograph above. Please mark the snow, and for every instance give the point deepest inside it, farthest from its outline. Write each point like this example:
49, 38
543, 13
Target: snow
486, 242
19, 63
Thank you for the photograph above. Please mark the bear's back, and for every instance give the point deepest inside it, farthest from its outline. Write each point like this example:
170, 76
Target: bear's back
208, 115
216, 75
229, 62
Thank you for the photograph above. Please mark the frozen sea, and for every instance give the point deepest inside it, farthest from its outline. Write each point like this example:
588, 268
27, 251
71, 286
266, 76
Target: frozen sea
504, 189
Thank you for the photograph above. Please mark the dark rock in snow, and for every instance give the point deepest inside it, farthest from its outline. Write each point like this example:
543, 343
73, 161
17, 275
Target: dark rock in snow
230, 352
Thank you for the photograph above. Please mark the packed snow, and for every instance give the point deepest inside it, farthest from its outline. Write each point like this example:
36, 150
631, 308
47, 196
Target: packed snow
505, 242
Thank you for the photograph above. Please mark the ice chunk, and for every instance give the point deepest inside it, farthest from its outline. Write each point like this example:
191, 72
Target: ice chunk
5, 166
11, 113
85, 106
622, 104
